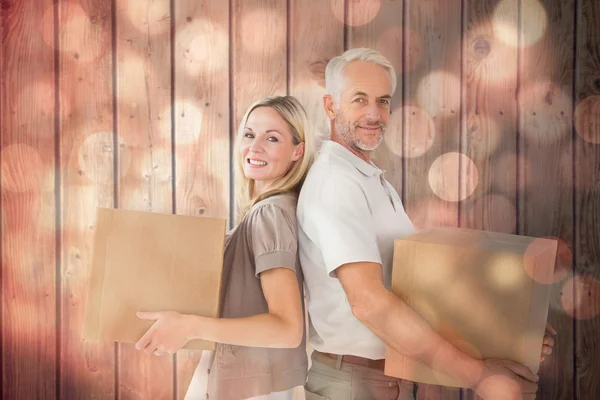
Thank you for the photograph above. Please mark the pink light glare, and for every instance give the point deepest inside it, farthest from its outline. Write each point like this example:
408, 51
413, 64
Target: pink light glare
447, 171
420, 131
360, 12
587, 119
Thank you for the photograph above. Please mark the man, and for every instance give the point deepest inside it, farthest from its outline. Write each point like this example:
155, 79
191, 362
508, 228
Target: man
348, 218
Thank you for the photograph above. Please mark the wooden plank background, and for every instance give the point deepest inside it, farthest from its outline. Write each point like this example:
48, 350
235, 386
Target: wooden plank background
120, 103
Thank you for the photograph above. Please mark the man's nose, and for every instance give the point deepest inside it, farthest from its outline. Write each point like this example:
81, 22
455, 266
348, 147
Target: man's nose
373, 113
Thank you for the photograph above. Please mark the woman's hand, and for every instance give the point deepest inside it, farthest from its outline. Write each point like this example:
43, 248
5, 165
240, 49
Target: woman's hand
168, 334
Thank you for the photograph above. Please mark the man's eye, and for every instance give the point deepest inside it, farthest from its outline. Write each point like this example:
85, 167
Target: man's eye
359, 100
384, 101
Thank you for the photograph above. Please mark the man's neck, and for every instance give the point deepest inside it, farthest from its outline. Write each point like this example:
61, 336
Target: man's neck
363, 155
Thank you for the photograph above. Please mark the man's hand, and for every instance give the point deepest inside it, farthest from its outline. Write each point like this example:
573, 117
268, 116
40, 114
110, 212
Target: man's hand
506, 380
167, 335
548, 343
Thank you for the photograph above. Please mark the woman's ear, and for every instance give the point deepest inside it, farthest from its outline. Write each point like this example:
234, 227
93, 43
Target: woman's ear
298, 152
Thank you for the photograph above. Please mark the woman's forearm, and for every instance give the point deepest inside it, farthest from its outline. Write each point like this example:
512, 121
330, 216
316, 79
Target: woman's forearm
262, 330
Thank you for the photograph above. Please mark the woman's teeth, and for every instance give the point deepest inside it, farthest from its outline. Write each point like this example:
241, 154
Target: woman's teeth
254, 162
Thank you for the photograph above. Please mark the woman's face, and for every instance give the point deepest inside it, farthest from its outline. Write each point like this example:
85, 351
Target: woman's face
267, 148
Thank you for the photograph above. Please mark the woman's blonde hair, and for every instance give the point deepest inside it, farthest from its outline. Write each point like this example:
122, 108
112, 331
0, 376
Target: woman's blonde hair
294, 115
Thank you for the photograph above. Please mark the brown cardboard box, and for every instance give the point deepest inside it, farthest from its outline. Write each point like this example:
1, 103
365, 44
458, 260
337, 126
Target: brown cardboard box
146, 261
486, 293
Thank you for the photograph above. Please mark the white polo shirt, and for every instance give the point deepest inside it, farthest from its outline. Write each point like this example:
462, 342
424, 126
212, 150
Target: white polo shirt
347, 212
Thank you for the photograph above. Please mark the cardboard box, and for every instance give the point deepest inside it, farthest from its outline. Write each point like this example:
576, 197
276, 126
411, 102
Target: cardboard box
146, 261
486, 293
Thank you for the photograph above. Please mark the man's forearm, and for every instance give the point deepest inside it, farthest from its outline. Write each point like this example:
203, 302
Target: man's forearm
404, 330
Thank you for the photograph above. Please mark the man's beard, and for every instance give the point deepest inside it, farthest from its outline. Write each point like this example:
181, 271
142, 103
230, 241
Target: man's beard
347, 131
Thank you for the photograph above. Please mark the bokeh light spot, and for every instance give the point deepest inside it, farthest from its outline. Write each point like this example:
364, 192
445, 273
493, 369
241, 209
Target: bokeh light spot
84, 38
580, 297
587, 119
263, 31
506, 24
562, 261
96, 157
360, 12
432, 212
439, 94
506, 272
420, 132
447, 171
204, 47
188, 122
22, 169
483, 136
149, 17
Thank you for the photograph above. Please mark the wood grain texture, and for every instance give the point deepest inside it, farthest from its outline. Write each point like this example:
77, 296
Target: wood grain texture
432, 94
545, 138
27, 171
489, 134
259, 52
87, 155
316, 36
587, 210
385, 34
144, 156
202, 124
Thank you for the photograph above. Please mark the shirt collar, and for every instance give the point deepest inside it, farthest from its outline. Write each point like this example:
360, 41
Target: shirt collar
368, 169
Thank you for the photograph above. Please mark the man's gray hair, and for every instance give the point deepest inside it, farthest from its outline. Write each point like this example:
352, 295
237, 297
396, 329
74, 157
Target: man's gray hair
334, 73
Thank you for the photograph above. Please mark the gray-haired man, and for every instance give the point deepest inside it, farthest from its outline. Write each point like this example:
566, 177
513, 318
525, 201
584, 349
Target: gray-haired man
348, 218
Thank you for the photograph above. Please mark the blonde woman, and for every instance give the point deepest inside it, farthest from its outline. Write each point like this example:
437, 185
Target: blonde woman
261, 343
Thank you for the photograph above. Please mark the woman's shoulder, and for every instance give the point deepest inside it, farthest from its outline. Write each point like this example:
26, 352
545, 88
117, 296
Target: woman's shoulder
285, 202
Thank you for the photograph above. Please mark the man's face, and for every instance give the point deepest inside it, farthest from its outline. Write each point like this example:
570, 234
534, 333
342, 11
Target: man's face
363, 111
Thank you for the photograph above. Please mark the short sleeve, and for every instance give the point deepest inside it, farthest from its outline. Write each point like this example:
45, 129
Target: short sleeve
339, 218
274, 238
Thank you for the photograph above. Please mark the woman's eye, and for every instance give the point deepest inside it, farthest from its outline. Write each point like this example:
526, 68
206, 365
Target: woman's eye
272, 139
248, 135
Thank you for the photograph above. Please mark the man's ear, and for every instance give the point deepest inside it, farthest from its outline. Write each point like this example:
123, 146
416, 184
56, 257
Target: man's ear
298, 152
329, 106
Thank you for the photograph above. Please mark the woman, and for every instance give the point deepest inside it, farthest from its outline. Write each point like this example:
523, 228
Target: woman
261, 343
